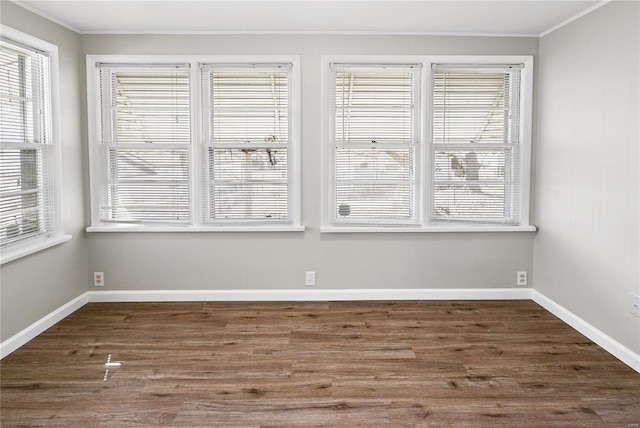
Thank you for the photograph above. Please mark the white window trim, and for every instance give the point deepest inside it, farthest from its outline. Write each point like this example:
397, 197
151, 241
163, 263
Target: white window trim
30, 246
425, 225
189, 229
197, 222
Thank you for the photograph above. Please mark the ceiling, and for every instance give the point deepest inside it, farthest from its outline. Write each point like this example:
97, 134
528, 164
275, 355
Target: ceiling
456, 17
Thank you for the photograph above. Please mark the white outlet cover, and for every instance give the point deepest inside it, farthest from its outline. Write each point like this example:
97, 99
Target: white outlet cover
98, 279
522, 278
310, 278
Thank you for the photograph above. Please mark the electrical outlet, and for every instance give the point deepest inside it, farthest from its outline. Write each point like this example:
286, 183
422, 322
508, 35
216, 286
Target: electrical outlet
98, 279
635, 304
522, 278
310, 278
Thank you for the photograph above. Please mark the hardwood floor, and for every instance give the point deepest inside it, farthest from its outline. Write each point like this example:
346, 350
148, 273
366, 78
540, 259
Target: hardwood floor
435, 363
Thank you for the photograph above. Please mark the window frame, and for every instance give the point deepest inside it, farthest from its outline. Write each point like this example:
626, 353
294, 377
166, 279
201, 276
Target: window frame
197, 223
424, 163
416, 181
109, 140
55, 236
209, 182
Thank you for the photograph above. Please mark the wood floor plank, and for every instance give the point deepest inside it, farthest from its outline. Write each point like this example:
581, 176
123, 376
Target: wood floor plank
339, 364
269, 412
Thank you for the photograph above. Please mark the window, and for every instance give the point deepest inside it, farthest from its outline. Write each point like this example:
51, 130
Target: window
202, 143
376, 143
247, 141
145, 144
29, 205
476, 143
427, 143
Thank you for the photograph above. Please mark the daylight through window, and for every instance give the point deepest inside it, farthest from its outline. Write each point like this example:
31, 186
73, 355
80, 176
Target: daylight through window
426, 143
376, 143
202, 144
246, 142
476, 117
26, 155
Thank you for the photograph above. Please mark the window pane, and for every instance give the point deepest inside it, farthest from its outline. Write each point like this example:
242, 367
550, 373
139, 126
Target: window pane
17, 96
374, 107
476, 119
250, 107
375, 143
25, 156
145, 109
21, 204
475, 184
374, 201
19, 170
469, 201
375, 164
242, 165
151, 107
249, 201
247, 128
146, 185
231, 169
471, 107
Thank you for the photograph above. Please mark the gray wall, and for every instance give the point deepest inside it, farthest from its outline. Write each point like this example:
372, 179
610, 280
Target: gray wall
586, 186
279, 260
586, 202
36, 285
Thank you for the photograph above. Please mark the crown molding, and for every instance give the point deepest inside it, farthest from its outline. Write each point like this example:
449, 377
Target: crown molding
575, 17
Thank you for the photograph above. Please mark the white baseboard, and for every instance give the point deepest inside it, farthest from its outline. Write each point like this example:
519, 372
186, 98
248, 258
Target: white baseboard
309, 295
615, 348
21, 338
606, 342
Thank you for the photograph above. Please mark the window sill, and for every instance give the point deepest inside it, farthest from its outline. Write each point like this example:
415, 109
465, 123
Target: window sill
195, 229
426, 229
26, 249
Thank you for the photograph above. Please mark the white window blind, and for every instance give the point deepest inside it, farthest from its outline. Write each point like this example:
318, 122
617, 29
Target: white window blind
145, 143
476, 141
247, 142
26, 156
376, 143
